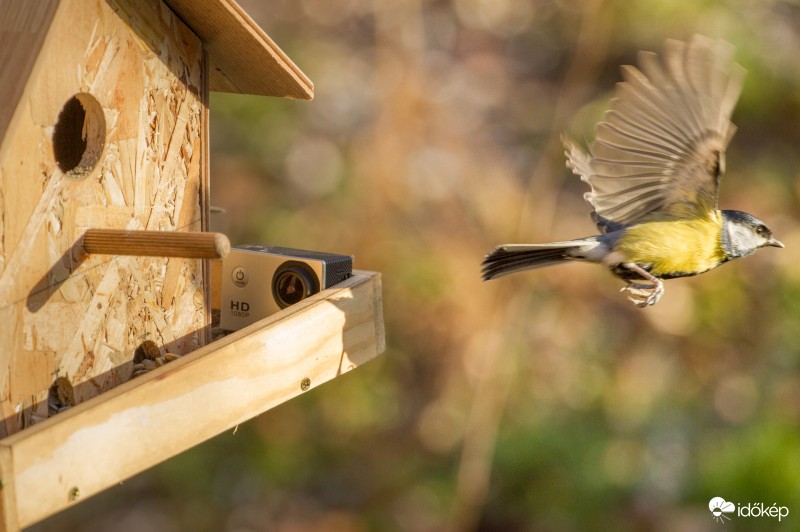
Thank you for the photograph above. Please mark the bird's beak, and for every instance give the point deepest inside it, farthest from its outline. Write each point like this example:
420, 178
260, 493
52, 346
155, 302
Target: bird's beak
774, 242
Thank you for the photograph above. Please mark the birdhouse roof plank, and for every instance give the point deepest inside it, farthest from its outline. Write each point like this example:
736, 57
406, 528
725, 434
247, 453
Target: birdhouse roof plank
243, 57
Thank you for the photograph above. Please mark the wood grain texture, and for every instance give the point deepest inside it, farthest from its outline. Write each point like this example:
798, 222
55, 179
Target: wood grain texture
99, 443
23, 26
83, 318
243, 57
188, 245
8, 493
205, 182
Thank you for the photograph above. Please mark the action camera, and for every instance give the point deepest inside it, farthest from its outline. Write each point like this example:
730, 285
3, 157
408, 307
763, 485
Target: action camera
260, 280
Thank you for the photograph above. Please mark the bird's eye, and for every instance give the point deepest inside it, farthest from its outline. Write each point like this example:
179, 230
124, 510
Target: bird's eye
762, 230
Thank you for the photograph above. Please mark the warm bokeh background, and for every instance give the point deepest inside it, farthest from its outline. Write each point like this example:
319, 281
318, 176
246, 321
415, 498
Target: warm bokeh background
543, 401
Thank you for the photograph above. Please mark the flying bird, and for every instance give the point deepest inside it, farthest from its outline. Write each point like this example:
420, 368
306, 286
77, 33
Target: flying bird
654, 172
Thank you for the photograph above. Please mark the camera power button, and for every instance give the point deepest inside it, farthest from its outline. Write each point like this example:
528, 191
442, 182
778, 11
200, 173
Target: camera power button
240, 277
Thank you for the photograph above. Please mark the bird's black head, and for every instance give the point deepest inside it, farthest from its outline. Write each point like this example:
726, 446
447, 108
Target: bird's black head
743, 234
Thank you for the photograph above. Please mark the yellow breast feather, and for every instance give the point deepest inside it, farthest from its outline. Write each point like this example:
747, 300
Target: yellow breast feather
671, 248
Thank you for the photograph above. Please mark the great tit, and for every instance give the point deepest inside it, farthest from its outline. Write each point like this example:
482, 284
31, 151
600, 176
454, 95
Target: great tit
654, 172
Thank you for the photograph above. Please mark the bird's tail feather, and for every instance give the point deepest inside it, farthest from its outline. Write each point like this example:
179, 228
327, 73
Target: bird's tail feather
512, 258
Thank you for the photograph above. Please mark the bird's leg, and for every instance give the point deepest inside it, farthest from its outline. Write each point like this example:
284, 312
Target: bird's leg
643, 294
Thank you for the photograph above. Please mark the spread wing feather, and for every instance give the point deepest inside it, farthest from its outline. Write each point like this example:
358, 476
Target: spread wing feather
659, 151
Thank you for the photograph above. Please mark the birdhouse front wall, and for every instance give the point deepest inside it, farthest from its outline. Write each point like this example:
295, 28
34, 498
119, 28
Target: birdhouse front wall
109, 132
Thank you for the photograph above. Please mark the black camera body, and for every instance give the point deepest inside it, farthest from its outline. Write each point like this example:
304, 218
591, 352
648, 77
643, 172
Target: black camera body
260, 280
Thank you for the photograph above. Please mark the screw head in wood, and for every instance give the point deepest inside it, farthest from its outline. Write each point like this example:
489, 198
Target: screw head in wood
305, 384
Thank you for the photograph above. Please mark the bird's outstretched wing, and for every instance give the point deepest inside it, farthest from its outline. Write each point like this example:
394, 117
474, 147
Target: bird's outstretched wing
660, 150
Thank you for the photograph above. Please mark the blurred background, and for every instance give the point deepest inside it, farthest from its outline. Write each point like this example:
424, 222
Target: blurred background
543, 401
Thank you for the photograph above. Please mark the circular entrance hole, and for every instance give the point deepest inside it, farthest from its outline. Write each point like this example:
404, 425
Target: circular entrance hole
79, 135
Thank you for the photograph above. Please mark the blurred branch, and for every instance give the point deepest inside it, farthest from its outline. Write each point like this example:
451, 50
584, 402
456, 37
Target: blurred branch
492, 389
590, 52
499, 364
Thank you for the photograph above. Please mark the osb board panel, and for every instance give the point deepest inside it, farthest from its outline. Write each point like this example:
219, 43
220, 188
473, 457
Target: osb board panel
82, 318
23, 26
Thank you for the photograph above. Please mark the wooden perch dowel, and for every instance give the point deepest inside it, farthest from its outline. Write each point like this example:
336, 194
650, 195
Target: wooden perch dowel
187, 245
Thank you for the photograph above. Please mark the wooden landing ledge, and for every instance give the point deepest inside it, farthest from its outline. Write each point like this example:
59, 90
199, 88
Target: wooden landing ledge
97, 444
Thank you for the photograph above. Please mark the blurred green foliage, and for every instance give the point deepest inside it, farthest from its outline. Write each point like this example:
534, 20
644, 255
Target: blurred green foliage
543, 401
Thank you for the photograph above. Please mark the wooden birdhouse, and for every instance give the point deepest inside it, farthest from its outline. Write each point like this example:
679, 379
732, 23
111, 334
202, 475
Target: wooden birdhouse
103, 142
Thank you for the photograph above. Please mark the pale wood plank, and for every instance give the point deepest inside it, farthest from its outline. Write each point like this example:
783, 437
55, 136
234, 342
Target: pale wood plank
8, 495
98, 443
243, 57
205, 182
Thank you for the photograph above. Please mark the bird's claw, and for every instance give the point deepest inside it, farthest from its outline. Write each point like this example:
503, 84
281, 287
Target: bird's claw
644, 294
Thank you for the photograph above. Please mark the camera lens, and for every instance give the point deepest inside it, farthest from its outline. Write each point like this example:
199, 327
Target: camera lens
293, 281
